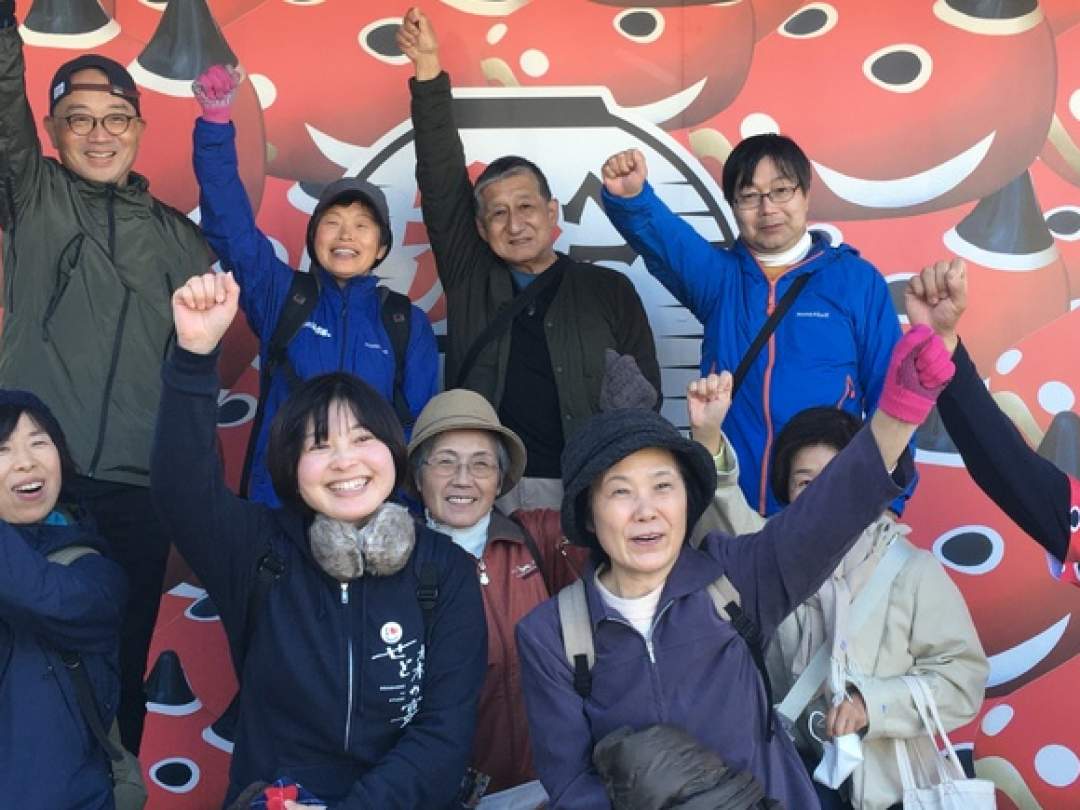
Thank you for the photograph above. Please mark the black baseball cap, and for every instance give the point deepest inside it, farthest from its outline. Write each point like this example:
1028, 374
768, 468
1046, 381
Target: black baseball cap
119, 81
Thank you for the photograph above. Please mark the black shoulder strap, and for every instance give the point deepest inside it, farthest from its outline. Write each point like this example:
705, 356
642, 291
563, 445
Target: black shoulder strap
749, 632
268, 571
299, 304
427, 595
534, 552
767, 329
498, 325
396, 312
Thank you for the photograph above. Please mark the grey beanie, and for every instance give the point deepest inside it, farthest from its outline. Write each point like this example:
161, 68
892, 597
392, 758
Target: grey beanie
352, 188
606, 439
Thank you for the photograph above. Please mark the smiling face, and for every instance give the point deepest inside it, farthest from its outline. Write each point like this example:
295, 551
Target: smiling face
348, 241
772, 227
518, 223
99, 156
462, 498
638, 510
30, 472
348, 475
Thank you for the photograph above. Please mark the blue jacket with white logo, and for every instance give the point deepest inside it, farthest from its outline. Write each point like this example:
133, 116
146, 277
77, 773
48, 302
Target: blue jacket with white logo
48, 757
343, 333
831, 348
339, 691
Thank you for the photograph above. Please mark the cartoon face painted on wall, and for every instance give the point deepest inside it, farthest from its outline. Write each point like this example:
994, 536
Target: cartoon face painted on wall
675, 63
323, 113
997, 568
900, 105
1062, 150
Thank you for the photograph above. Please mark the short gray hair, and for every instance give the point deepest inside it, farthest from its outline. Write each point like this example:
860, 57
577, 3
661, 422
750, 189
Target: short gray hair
419, 458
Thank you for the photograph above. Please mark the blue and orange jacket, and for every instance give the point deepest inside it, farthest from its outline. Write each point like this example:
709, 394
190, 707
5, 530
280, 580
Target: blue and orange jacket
832, 347
345, 330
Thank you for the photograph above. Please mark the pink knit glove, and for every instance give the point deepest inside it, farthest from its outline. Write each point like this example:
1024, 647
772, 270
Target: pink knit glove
214, 90
918, 372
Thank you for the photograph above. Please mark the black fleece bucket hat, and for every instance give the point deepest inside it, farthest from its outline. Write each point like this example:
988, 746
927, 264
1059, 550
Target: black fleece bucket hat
606, 439
353, 189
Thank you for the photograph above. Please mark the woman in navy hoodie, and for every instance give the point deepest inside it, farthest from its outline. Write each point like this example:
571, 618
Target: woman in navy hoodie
48, 756
358, 635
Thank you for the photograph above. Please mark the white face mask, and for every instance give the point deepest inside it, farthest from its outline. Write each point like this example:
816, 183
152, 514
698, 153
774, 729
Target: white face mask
839, 758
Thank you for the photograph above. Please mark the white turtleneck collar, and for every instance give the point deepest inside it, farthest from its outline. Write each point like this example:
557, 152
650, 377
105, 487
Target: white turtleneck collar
472, 538
795, 253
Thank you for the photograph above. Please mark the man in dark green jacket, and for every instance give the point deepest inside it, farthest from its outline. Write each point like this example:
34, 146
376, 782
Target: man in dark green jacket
90, 262
543, 371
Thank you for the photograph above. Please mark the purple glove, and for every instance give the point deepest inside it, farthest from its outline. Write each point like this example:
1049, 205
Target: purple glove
214, 90
918, 372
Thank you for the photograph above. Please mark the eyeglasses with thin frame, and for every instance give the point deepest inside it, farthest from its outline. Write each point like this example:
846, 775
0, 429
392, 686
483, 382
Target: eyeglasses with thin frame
748, 200
479, 467
83, 124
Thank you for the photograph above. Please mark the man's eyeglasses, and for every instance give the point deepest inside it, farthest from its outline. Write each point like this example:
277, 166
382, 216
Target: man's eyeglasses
747, 200
447, 466
113, 123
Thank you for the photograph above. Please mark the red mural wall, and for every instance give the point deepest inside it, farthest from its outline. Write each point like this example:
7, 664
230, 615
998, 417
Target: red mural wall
935, 127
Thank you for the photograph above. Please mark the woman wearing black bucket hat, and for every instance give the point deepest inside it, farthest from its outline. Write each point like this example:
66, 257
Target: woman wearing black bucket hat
345, 329
634, 488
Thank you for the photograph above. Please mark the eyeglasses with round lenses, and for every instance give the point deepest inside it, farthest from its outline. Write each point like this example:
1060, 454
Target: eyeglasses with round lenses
752, 199
447, 466
113, 123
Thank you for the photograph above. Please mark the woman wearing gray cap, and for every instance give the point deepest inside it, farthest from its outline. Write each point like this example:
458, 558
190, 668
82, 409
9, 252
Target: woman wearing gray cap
461, 459
348, 324
634, 487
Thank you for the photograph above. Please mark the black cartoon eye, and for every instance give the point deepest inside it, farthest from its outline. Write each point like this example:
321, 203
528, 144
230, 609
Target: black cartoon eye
377, 39
812, 20
899, 68
236, 409
1074, 519
175, 774
1064, 222
640, 24
1002, 17
970, 549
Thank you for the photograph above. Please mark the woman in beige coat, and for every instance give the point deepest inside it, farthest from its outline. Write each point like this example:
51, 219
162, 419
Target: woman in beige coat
917, 625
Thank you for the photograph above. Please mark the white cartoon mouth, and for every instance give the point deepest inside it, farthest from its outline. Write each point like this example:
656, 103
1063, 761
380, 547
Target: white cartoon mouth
1016, 661
656, 112
905, 192
345, 155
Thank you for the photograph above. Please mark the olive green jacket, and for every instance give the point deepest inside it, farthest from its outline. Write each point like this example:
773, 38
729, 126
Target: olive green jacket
89, 270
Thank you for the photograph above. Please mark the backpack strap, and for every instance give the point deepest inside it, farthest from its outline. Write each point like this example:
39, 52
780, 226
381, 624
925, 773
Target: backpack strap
728, 604
426, 570
577, 635
299, 304
84, 692
395, 310
268, 571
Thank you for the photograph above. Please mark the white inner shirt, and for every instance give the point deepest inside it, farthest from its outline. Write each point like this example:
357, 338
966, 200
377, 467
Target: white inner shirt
639, 611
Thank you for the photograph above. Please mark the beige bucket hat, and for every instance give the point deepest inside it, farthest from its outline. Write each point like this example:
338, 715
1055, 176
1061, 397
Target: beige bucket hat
460, 409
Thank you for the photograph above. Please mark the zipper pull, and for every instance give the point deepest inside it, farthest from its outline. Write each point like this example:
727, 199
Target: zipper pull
481, 568
344, 593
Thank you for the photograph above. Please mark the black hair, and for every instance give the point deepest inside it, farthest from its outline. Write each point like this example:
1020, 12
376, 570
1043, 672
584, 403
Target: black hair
43, 418
310, 405
508, 166
824, 425
347, 198
741, 164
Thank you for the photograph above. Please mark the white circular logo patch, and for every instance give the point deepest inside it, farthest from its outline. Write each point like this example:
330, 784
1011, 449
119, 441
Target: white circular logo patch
391, 632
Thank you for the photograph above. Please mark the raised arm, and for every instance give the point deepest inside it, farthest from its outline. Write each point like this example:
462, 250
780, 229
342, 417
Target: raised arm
227, 220
804, 543
77, 607
1034, 493
678, 256
20, 149
446, 194
220, 535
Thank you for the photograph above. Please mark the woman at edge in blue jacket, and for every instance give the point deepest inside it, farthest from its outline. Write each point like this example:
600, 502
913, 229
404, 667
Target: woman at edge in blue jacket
634, 488
349, 685
348, 235
48, 757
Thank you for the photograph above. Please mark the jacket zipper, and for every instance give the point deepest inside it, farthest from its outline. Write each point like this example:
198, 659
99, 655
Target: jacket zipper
342, 329
117, 340
766, 383
349, 658
651, 650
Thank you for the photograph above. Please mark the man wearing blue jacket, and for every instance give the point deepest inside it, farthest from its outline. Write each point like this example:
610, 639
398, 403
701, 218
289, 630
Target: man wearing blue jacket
832, 346
347, 237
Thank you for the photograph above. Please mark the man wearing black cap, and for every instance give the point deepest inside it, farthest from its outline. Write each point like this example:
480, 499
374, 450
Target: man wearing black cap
90, 262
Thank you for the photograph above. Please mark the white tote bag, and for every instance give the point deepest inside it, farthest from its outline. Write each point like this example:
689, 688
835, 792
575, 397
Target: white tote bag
943, 785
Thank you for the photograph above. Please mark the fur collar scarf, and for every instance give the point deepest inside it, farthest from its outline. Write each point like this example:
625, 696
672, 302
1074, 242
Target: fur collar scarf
380, 547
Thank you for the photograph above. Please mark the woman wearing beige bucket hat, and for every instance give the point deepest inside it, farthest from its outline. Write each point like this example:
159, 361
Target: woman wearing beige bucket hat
461, 459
